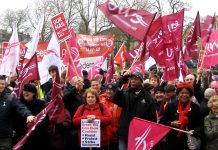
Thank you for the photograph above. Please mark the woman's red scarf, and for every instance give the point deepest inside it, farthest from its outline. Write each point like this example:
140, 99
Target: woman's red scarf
183, 116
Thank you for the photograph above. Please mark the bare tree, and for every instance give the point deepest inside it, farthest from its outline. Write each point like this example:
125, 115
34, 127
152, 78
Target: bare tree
11, 17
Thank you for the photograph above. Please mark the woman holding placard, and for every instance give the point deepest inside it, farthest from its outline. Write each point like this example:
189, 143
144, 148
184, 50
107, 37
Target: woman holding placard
89, 114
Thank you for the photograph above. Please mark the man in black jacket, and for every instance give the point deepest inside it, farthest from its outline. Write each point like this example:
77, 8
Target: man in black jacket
8, 107
135, 102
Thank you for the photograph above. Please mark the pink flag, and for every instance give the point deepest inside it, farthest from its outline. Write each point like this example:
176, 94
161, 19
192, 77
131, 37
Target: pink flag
55, 110
191, 50
144, 135
110, 70
76, 67
119, 57
211, 55
206, 30
97, 65
29, 72
134, 22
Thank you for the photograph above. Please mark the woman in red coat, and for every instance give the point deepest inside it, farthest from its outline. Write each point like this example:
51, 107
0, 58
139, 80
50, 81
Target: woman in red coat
92, 110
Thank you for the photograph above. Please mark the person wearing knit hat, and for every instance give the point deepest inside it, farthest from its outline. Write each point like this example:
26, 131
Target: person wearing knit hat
184, 115
137, 75
111, 86
106, 99
39, 139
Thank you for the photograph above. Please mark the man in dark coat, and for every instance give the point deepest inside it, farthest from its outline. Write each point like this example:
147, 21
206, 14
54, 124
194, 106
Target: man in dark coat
72, 98
135, 102
9, 106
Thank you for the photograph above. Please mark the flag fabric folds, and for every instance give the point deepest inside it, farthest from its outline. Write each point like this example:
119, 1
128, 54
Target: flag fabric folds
191, 49
211, 54
74, 63
119, 57
144, 135
207, 29
10, 58
29, 72
110, 70
134, 22
35, 39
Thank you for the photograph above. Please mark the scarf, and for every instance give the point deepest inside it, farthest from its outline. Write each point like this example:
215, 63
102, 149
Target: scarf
183, 116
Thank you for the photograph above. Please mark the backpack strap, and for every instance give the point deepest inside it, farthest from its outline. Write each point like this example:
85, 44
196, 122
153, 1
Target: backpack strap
82, 110
101, 108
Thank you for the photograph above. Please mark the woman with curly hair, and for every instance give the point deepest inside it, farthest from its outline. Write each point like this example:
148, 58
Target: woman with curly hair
211, 124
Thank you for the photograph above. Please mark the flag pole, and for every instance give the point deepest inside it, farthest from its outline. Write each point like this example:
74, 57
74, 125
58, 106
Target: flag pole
187, 132
202, 62
71, 59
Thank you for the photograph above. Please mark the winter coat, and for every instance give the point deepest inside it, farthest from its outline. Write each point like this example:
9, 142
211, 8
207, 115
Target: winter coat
105, 119
38, 138
133, 105
115, 113
195, 123
211, 132
72, 99
9, 107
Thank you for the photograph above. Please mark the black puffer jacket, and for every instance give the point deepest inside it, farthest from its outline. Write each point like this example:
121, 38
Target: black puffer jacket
9, 106
141, 105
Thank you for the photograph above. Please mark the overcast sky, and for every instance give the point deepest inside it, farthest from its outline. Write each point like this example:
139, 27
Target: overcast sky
206, 7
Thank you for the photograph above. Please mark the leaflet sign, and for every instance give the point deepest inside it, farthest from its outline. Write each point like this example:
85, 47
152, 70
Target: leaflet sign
90, 133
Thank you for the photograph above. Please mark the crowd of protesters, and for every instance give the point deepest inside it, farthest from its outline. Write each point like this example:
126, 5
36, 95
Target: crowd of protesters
190, 105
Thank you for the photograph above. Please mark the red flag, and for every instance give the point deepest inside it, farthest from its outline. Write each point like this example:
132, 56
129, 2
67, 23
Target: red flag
76, 67
29, 72
97, 65
119, 58
191, 50
110, 70
134, 22
55, 110
206, 30
211, 55
144, 135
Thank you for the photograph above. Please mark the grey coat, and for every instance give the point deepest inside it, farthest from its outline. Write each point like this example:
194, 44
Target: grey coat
211, 131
